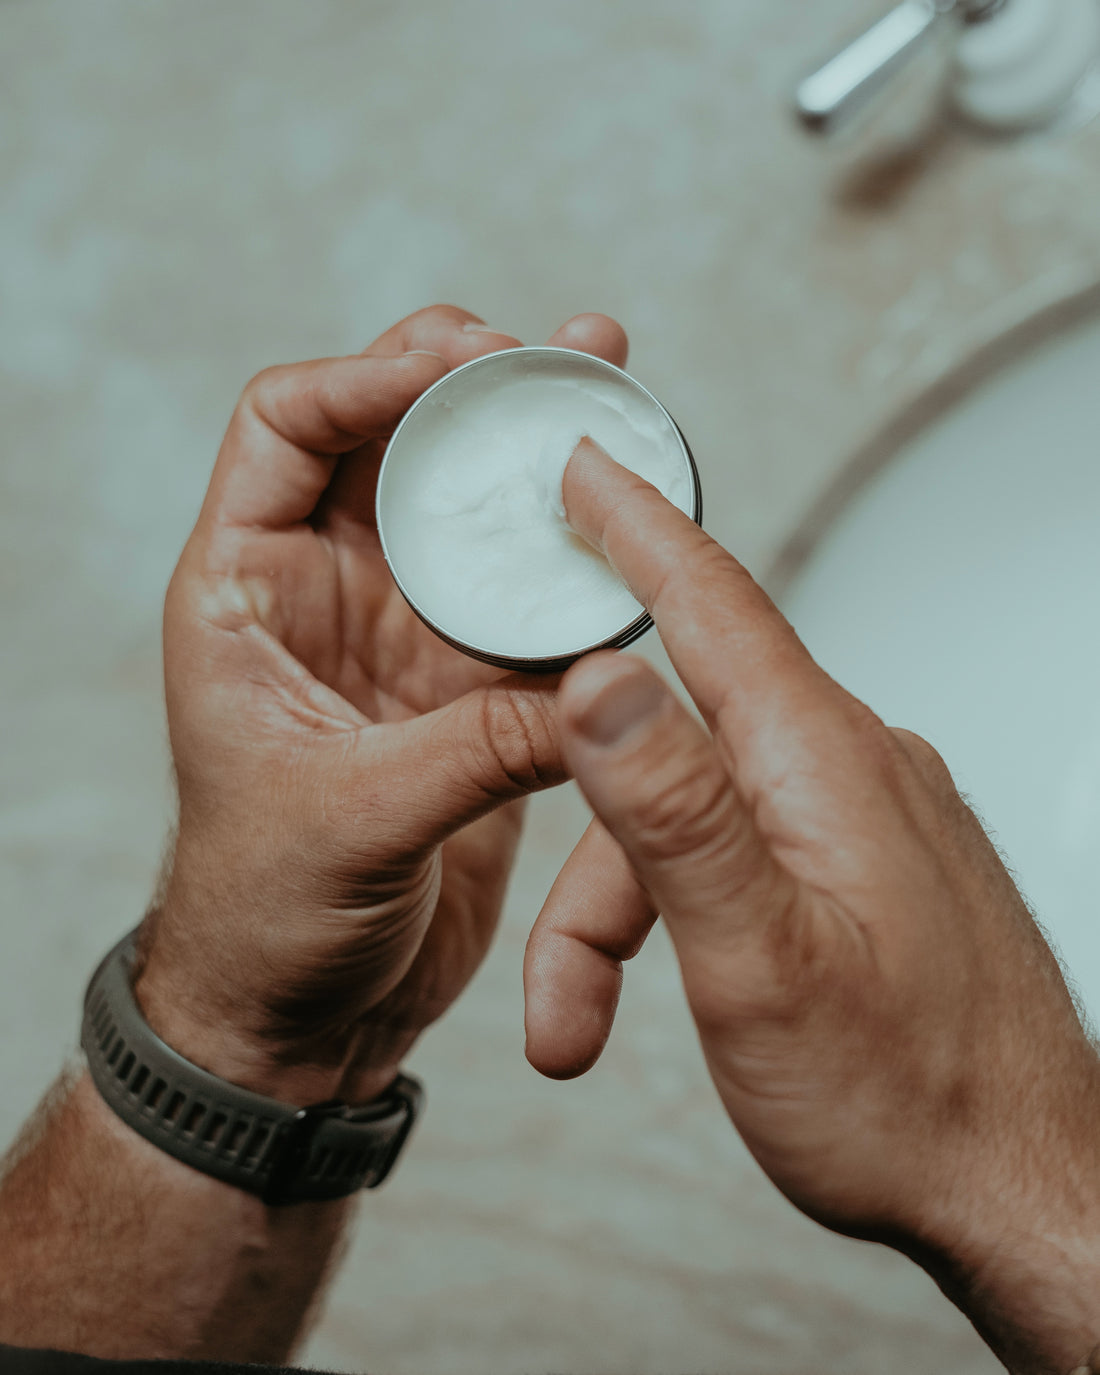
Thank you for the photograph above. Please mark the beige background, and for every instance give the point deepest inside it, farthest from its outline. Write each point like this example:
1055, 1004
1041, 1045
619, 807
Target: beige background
194, 189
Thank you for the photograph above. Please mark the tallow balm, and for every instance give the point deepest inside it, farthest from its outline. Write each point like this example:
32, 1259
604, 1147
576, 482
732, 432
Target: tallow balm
470, 510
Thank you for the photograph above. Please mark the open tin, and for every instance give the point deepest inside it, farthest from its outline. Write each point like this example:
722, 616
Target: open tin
441, 407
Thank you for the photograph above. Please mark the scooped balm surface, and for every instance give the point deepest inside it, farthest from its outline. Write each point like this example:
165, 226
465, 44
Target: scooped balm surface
470, 509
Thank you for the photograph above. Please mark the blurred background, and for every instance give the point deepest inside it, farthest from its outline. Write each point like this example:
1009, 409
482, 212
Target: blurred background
192, 190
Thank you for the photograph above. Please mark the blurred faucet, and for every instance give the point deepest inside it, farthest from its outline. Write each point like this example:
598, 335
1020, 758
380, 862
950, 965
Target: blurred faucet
1014, 63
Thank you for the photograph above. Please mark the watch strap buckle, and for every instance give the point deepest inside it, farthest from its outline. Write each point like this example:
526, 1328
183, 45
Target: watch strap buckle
324, 1152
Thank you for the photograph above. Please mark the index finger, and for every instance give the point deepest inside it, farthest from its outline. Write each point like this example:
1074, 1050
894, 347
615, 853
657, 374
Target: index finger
726, 638
293, 423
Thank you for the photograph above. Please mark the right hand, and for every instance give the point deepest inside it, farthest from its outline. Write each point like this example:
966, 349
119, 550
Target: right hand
882, 1018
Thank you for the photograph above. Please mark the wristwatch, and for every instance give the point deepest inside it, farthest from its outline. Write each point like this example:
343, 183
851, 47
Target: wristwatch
282, 1153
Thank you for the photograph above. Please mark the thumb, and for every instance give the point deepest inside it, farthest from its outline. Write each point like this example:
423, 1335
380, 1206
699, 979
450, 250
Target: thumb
445, 769
654, 778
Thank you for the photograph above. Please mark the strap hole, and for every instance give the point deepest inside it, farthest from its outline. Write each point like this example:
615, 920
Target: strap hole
194, 1118
256, 1146
215, 1128
236, 1138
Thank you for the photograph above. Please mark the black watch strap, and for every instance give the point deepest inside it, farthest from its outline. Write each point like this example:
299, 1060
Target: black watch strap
284, 1154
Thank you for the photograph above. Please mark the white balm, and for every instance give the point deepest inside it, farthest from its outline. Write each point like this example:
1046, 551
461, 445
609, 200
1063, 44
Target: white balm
470, 510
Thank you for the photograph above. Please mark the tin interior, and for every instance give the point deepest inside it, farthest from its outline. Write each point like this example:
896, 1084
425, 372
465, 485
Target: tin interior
477, 379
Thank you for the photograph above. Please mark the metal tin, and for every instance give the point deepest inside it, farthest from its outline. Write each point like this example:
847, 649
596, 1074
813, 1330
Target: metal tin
527, 363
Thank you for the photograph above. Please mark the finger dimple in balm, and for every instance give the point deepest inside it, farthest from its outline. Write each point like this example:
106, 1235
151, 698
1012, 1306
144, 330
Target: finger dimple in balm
470, 510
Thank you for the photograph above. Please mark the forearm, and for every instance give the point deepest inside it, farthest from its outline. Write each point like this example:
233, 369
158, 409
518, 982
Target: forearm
110, 1247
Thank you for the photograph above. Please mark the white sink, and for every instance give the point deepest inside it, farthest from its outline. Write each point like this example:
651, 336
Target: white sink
958, 593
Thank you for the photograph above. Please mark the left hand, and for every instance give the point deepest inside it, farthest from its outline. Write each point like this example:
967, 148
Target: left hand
343, 847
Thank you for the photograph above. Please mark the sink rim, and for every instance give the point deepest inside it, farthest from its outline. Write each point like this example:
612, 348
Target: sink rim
930, 404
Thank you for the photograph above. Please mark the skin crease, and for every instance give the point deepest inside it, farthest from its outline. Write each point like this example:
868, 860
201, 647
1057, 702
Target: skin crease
883, 1022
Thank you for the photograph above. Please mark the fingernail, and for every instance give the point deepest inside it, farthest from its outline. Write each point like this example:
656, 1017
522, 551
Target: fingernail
619, 707
423, 353
476, 327
584, 453
587, 445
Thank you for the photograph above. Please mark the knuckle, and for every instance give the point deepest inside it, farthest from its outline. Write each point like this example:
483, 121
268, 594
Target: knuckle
262, 392
260, 386
442, 313
891, 758
688, 814
708, 562
872, 741
928, 761
518, 733
700, 563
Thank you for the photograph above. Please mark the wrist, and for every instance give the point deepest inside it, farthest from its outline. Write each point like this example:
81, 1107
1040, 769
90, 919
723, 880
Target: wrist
1023, 1260
1035, 1301
282, 1152
293, 1067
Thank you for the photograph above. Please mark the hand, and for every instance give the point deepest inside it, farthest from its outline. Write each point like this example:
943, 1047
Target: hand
343, 846
883, 1021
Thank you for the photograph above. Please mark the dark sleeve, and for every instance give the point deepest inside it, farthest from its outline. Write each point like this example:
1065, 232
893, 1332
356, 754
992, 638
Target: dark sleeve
19, 1361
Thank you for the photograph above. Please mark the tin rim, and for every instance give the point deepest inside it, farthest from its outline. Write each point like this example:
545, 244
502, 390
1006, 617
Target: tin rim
548, 663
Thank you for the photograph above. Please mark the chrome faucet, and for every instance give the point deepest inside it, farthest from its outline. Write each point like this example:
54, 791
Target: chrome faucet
838, 90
